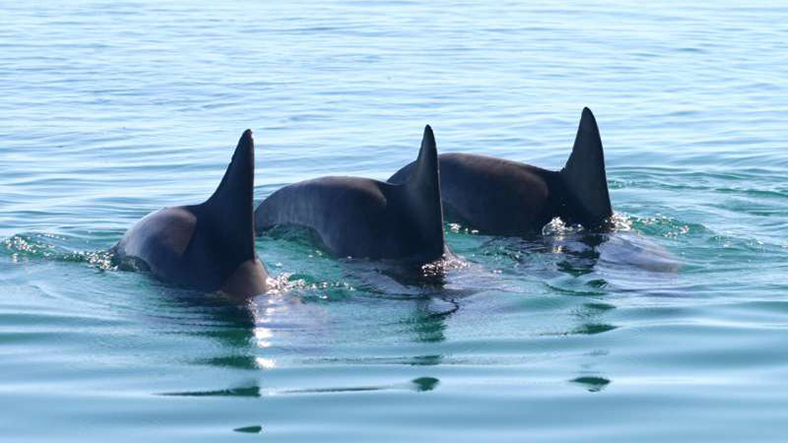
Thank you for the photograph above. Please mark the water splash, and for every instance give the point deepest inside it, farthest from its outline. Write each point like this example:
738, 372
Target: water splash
23, 248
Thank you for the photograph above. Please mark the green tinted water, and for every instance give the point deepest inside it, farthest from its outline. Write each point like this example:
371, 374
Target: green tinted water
669, 329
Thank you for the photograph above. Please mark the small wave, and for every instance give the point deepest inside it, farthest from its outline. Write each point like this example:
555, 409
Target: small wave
457, 228
24, 247
287, 283
558, 227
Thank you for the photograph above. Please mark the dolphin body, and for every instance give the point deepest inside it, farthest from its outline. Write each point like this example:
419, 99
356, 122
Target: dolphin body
209, 246
365, 218
504, 197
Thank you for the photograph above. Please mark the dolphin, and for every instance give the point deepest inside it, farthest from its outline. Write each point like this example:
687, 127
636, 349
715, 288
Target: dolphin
209, 246
365, 218
508, 198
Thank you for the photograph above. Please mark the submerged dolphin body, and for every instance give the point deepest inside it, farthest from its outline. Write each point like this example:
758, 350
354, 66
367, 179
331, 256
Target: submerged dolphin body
209, 246
504, 197
365, 218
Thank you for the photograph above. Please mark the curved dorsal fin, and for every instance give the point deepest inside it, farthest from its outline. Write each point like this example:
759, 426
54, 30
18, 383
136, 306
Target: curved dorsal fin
425, 173
584, 173
230, 211
424, 193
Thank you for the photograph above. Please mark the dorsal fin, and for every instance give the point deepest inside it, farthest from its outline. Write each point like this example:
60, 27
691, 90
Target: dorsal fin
230, 209
584, 173
424, 193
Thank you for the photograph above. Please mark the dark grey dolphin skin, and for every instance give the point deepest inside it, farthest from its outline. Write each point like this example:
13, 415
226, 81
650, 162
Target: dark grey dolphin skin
365, 218
209, 246
503, 197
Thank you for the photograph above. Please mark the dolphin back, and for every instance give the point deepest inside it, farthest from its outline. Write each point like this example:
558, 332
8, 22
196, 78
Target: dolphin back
365, 218
204, 246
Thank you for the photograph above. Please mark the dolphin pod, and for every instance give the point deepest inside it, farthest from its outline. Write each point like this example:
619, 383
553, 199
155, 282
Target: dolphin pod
365, 218
210, 246
504, 197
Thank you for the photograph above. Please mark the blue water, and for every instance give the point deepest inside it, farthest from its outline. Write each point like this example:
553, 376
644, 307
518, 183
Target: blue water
672, 328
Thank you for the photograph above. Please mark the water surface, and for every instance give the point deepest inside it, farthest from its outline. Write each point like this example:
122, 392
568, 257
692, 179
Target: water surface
670, 329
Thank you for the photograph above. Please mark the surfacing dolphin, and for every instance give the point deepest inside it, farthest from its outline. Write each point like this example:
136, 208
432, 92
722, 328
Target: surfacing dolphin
209, 246
365, 218
504, 197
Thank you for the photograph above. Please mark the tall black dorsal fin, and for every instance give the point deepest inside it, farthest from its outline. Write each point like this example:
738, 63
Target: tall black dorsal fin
584, 173
424, 193
230, 209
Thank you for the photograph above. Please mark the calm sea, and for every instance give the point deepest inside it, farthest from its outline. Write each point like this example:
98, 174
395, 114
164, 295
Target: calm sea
671, 329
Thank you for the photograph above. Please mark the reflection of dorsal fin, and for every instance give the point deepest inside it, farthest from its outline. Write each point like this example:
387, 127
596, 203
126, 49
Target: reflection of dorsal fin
584, 174
424, 193
229, 211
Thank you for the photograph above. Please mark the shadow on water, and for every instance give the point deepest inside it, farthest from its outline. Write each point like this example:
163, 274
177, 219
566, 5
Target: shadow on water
254, 336
421, 384
249, 429
246, 332
573, 261
592, 384
427, 325
431, 303
419, 303
289, 324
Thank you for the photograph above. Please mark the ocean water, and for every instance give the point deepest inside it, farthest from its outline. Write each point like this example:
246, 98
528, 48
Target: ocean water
671, 328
